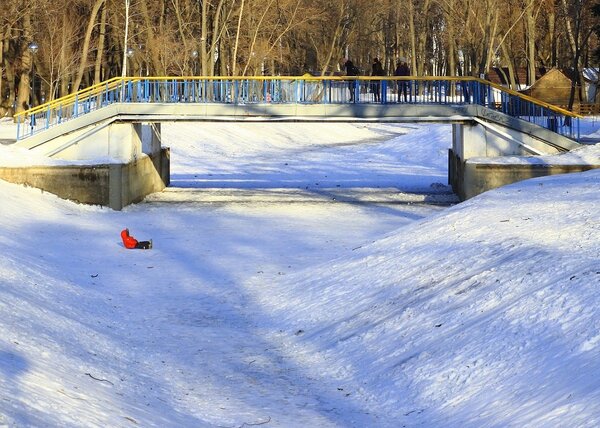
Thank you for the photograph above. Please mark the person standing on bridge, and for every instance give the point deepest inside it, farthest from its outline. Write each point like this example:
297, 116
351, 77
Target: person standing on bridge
351, 70
376, 70
402, 69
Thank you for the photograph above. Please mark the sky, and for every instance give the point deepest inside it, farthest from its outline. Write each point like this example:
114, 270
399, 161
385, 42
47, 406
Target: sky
304, 275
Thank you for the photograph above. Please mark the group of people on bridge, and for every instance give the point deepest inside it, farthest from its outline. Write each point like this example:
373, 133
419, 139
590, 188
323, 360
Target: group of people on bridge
402, 69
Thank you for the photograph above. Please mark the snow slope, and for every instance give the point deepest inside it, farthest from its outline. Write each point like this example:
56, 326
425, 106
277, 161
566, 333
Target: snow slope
304, 314
484, 315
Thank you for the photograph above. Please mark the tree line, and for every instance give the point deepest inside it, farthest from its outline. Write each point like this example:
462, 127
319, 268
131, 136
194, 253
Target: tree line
50, 48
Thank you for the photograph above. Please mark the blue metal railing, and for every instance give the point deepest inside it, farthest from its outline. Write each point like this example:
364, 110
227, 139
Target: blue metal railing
298, 90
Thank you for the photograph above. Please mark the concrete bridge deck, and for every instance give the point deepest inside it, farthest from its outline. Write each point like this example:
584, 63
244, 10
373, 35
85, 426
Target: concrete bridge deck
59, 138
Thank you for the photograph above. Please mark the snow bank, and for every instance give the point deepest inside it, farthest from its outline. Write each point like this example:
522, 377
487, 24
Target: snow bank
483, 315
294, 315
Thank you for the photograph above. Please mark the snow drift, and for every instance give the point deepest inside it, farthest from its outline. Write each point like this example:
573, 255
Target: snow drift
304, 314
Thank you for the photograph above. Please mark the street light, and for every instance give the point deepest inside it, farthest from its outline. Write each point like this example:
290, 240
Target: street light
194, 59
130, 52
33, 48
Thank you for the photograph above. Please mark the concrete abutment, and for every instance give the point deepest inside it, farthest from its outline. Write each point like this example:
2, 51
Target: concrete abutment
144, 169
473, 165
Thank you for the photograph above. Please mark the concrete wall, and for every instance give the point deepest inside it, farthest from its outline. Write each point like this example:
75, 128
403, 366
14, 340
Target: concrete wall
130, 183
144, 166
112, 185
86, 184
480, 139
480, 177
124, 140
469, 179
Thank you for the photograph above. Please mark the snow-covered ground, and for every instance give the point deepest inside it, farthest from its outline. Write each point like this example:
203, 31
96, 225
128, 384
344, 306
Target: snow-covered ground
274, 296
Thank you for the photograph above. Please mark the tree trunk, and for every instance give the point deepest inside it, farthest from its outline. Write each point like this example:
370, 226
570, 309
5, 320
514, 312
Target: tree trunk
255, 35
412, 37
100, 54
180, 26
576, 41
203, 37
489, 48
530, 25
63, 69
2, 41
332, 48
552, 36
511, 69
24, 93
219, 26
86, 45
237, 41
451, 39
151, 42
421, 54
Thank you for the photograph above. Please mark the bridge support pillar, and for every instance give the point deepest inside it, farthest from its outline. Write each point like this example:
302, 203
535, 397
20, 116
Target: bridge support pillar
476, 141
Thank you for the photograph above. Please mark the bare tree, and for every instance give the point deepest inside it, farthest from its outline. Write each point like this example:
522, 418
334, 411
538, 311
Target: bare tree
82, 41
91, 22
579, 22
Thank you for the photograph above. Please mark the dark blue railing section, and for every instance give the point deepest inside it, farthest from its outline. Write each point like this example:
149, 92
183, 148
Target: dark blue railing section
298, 90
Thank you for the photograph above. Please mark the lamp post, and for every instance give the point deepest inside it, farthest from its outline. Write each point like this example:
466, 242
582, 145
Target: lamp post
33, 48
129, 54
194, 60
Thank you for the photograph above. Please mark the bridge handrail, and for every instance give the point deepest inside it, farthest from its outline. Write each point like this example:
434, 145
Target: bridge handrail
302, 89
525, 97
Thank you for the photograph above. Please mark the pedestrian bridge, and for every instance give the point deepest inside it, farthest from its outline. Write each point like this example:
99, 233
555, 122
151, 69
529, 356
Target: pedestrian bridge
120, 118
421, 99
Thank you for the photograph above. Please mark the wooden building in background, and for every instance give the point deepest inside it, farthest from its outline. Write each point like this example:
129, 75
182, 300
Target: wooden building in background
554, 87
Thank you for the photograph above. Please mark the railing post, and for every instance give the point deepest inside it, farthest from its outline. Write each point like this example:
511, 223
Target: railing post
104, 95
265, 91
